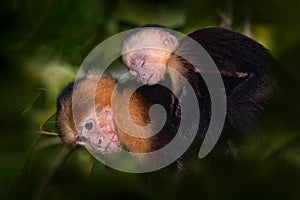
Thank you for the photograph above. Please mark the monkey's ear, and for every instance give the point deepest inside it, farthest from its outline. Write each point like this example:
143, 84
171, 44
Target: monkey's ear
169, 41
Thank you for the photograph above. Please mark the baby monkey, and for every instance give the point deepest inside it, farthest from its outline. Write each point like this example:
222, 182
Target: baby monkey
152, 52
146, 52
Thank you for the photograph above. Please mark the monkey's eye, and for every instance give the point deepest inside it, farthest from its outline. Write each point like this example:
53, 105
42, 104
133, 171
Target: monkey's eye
89, 125
142, 62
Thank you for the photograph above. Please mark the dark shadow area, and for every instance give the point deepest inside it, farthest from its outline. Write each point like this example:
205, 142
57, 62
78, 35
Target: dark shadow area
43, 43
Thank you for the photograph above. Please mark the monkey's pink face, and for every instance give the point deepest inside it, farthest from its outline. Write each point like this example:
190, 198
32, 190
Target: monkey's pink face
147, 65
98, 134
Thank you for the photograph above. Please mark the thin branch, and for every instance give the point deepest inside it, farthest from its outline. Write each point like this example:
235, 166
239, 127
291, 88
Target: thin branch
57, 163
285, 147
47, 133
48, 143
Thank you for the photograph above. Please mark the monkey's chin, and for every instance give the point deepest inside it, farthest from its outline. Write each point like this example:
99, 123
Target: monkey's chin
152, 80
109, 148
106, 146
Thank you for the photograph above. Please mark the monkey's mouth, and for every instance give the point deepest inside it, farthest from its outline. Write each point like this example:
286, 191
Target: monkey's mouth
101, 144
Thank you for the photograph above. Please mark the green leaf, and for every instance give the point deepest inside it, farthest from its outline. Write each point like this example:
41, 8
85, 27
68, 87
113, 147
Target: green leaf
49, 125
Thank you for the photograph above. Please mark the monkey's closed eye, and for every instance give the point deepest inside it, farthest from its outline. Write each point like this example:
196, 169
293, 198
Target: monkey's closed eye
167, 43
89, 125
142, 62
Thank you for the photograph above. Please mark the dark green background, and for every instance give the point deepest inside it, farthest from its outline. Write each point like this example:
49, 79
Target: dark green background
42, 45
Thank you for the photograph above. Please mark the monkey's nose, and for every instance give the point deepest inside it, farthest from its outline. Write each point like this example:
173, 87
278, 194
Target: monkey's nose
146, 78
82, 139
100, 141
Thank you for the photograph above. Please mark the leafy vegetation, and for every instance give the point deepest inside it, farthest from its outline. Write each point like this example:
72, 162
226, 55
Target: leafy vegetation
43, 43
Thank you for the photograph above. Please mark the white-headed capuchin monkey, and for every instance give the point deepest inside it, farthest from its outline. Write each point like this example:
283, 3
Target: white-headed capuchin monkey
155, 46
86, 118
242, 63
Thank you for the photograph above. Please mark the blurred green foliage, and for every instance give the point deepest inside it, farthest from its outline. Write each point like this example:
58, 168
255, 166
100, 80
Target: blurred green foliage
43, 44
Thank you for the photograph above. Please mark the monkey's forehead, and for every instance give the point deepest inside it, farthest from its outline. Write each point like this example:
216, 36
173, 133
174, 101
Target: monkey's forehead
86, 97
148, 38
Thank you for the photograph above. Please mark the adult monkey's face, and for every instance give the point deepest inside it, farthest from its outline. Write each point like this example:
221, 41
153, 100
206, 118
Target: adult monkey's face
84, 115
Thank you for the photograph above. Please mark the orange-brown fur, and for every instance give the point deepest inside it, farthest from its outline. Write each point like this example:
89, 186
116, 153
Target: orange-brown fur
66, 123
138, 110
103, 97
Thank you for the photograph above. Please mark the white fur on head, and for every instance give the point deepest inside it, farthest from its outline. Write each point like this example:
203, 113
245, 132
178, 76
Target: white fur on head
150, 37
